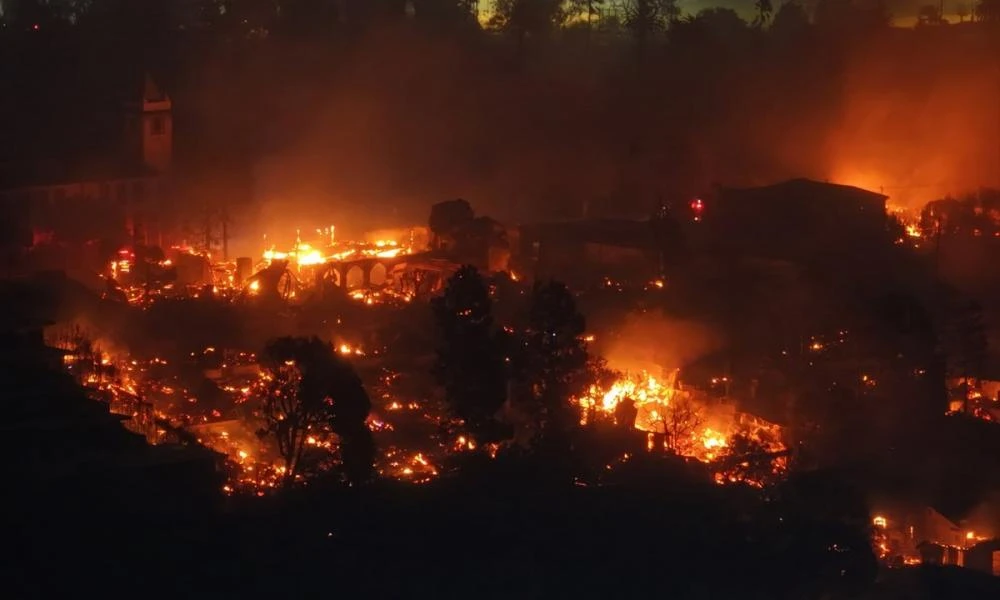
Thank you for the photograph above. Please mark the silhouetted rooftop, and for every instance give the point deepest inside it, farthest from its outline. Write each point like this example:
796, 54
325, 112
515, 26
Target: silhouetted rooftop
801, 187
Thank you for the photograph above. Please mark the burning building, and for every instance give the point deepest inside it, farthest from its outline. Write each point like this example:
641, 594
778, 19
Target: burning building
795, 219
921, 534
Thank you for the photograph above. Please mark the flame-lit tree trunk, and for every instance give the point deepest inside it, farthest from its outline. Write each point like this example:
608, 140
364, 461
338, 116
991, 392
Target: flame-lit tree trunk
309, 391
287, 421
681, 420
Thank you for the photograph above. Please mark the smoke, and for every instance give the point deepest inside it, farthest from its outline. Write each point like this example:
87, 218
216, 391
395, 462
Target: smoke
658, 344
921, 132
371, 133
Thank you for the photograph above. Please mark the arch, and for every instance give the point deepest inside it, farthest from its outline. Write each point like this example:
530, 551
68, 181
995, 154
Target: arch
355, 277
331, 276
378, 275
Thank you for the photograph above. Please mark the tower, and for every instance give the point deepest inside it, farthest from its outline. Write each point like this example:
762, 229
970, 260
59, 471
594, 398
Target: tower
150, 128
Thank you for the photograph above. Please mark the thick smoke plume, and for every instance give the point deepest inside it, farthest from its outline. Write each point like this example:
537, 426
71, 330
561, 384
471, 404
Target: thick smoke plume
658, 344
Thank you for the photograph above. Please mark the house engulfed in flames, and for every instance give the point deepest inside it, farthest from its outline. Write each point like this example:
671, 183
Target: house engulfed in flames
908, 535
687, 423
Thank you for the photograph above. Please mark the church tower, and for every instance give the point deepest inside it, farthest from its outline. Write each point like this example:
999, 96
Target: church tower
151, 128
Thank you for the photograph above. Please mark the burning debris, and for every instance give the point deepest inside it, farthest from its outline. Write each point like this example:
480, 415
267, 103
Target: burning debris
680, 422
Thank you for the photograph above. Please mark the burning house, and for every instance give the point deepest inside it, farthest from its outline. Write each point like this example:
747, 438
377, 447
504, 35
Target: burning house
913, 534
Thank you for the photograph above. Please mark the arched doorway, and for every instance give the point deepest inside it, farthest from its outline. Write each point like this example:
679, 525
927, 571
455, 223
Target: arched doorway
355, 277
377, 275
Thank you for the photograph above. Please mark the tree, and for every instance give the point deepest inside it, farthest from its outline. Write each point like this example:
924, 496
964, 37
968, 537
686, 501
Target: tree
681, 420
791, 19
967, 343
585, 9
310, 392
470, 363
850, 16
446, 11
524, 18
747, 460
764, 11
447, 218
988, 11
962, 10
554, 362
646, 18
930, 14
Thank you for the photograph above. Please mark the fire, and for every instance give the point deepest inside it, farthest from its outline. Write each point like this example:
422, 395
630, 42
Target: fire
676, 421
649, 394
909, 220
306, 255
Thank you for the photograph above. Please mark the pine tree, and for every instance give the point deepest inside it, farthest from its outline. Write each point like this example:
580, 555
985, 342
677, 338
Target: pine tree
553, 365
470, 362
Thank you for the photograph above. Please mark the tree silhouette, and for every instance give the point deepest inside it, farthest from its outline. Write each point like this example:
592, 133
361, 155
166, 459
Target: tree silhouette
585, 9
988, 11
447, 218
848, 17
522, 18
681, 420
446, 11
967, 343
646, 18
553, 365
764, 11
790, 19
310, 392
747, 460
470, 364
930, 14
